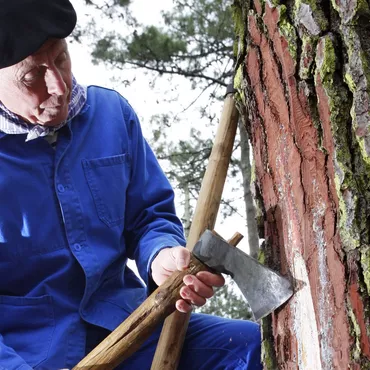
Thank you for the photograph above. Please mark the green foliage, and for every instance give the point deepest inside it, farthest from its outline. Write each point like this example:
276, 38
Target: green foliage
155, 45
188, 160
105, 49
151, 47
122, 2
196, 41
108, 4
204, 23
184, 162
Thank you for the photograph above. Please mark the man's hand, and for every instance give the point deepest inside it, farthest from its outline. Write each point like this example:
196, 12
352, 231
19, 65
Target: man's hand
198, 287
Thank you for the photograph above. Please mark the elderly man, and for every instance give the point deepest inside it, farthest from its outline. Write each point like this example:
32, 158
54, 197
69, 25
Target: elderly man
80, 193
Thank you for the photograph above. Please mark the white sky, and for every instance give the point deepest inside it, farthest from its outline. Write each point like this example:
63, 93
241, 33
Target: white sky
146, 101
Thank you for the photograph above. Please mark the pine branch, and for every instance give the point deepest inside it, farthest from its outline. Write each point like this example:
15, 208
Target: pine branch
195, 100
177, 71
181, 154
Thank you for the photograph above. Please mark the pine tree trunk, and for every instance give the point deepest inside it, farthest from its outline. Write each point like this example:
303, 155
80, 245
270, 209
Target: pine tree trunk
250, 209
304, 80
187, 210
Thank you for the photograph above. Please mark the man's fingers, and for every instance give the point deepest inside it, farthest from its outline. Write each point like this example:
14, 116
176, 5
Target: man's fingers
183, 306
211, 279
189, 295
198, 286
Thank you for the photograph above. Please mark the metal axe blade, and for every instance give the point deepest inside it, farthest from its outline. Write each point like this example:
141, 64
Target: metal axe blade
264, 289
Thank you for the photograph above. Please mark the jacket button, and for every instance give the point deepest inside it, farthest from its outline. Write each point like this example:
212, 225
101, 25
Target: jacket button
77, 247
61, 188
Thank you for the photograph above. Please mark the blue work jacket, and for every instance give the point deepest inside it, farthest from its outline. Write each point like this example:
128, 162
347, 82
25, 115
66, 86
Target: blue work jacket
69, 220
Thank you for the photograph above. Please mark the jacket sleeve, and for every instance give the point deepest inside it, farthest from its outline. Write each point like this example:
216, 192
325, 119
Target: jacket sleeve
9, 360
151, 223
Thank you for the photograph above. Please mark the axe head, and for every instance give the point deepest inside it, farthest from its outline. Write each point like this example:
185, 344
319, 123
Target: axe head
264, 289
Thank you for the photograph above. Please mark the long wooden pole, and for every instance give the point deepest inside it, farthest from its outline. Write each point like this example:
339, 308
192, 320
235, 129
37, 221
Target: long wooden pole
131, 334
172, 337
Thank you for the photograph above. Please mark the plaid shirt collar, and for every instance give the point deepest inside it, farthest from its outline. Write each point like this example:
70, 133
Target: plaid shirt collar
10, 123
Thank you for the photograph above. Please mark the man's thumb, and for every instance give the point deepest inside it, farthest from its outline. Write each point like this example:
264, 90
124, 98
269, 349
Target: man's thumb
182, 257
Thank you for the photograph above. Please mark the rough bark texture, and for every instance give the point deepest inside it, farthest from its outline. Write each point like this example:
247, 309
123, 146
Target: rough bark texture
303, 78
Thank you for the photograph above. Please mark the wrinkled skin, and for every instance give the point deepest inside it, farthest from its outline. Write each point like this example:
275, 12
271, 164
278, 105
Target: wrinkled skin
38, 89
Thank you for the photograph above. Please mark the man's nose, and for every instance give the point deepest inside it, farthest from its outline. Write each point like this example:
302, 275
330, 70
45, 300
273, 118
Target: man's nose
54, 82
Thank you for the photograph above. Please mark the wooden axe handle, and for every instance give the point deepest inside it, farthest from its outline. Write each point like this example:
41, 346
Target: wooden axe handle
131, 334
167, 355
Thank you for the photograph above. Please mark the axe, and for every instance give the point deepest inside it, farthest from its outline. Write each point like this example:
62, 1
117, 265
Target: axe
264, 289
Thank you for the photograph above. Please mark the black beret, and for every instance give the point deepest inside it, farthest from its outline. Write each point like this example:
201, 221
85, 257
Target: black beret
26, 24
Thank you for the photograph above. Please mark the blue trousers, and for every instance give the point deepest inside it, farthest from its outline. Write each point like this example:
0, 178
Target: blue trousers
211, 343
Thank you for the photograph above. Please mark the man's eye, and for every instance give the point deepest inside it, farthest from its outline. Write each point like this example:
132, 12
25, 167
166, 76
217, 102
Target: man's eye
32, 75
62, 58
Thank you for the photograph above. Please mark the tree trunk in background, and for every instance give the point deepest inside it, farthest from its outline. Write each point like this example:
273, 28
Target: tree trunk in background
245, 166
187, 211
304, 79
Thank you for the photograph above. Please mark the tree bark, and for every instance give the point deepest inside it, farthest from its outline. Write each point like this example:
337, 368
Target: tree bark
303, 76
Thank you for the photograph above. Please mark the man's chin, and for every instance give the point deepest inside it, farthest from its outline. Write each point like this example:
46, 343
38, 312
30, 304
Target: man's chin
52, 123
52, 119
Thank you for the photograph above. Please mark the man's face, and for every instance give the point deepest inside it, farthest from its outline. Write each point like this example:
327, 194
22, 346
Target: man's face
38, 88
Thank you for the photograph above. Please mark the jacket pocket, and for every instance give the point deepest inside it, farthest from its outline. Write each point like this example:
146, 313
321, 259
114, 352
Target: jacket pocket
27, 326
108, 179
